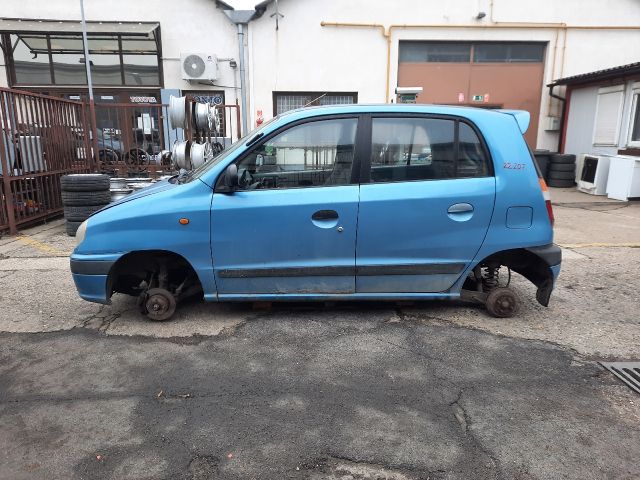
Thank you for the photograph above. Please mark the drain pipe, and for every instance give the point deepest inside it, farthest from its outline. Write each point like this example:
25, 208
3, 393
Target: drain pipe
242, 18
243, 87
562, 113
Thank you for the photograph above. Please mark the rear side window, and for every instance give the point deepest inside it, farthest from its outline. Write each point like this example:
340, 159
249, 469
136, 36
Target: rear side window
412, 148
472, 161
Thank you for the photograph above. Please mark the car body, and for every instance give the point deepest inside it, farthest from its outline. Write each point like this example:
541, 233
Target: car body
385, 202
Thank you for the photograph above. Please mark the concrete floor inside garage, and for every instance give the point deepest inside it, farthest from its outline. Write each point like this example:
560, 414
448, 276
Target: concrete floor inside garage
354, 390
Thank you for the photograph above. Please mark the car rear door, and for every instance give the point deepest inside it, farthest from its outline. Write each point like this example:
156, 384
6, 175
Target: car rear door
426, 201
290, 227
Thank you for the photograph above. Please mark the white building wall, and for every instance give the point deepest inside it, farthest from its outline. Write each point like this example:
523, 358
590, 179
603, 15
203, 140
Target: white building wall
185, 26
304, 56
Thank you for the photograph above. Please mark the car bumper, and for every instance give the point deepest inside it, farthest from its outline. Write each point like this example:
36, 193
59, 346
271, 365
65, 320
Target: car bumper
91, 276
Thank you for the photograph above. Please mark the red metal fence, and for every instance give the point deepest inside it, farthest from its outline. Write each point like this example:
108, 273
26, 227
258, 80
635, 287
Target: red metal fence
41, 139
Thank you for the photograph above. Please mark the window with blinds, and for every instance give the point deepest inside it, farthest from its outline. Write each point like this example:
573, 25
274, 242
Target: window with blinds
285, 101
608, 115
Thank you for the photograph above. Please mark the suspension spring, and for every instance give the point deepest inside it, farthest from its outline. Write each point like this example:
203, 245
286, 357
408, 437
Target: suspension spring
490, 277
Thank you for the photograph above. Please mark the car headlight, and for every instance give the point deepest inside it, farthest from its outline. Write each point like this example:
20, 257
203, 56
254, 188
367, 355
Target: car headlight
81, 232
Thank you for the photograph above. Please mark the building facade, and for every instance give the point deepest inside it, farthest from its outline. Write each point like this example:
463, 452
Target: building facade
602, 114
486, 53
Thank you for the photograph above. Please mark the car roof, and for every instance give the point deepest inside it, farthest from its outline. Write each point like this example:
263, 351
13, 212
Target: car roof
472, 113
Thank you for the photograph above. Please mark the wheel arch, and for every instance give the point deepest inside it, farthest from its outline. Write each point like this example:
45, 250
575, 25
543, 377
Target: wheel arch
532, 263
135, 266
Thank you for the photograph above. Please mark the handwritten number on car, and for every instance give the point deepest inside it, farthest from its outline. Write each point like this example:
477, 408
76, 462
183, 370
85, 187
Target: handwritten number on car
513, 166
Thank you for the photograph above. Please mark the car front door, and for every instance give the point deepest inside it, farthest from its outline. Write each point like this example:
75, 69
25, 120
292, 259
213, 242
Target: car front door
290, 226
426, 202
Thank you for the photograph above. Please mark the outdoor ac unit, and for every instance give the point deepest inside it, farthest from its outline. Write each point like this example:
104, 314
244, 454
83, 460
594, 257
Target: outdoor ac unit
199, 67
592, 172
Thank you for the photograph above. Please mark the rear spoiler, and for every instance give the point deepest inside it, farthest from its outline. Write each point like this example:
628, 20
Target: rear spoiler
523, 118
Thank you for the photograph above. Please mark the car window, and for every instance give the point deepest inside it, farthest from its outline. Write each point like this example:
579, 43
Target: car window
472, 161
204, 168
408, 149
412, 149
313, 154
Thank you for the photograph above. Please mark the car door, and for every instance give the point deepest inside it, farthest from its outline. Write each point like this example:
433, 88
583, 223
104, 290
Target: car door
426, 201
290, 226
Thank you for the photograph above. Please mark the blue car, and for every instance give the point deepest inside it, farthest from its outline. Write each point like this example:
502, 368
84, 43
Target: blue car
353, 202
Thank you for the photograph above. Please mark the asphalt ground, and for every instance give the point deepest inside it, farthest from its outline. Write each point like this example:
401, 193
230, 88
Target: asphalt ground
355, 390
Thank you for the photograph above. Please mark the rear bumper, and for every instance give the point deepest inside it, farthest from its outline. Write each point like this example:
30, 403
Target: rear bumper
91, 276
552, 254
546, 278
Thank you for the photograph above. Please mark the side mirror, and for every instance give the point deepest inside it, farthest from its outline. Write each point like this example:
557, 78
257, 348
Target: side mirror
231, 177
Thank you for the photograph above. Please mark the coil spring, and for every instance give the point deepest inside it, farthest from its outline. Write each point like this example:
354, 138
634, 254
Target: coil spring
490, 277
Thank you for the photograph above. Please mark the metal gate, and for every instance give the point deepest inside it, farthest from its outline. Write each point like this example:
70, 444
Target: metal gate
41, 139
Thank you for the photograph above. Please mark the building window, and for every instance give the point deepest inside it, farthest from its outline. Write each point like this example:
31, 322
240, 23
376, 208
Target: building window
435, 52
285, 101
58, 59
608, 115
634, 125
465, 52
508, 53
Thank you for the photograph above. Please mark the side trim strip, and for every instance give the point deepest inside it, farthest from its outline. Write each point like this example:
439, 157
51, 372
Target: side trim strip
287, 272
368, 270
91, 267
428, 269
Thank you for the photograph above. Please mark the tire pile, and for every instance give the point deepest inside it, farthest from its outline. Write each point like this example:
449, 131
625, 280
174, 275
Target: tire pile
561, 170
558, 170
82, 195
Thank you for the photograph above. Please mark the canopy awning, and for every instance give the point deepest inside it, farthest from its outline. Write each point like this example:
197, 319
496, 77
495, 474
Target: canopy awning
36, 26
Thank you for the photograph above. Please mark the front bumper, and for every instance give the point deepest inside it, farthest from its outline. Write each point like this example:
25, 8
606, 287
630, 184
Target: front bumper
91, 276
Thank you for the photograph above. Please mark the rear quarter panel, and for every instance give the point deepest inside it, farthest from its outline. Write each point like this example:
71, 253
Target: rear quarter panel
517, 185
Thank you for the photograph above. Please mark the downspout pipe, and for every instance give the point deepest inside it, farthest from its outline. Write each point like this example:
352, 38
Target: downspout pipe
562, 114
241, 19
243, 87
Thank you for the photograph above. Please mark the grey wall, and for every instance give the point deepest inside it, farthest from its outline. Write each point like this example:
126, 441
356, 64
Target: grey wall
582, 114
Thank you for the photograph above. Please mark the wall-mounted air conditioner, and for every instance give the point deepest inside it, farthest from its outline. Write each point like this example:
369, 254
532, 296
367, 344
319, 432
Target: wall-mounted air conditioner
592, 172
199, 67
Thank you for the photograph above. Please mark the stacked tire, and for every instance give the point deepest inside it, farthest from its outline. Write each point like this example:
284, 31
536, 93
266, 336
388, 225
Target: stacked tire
542, 159
82, 195
561, 170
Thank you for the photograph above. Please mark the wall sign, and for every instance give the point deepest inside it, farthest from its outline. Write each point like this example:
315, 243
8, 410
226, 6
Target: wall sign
478, 98
142, 99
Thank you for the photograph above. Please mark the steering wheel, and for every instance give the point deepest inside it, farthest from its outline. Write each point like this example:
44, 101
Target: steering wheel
247, 182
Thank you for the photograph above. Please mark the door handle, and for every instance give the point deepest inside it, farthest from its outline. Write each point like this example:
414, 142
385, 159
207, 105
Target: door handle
460, 208
321, 215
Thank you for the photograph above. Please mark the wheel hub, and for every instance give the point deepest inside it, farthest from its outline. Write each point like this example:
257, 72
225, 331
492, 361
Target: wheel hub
160, 304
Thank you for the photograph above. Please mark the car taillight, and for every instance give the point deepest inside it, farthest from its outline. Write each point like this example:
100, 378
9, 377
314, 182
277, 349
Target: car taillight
547, 199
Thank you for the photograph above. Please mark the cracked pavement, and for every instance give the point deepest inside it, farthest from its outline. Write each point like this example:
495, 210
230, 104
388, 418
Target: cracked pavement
356, 390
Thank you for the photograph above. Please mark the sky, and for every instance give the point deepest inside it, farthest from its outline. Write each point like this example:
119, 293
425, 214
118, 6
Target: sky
243, 4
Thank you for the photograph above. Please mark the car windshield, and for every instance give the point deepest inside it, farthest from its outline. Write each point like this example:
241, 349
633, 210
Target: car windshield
201, 170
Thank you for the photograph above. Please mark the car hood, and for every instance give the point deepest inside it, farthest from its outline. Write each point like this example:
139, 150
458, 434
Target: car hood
150, 190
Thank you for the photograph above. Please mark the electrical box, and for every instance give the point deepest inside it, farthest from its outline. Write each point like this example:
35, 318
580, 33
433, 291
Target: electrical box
408, 94
552, 124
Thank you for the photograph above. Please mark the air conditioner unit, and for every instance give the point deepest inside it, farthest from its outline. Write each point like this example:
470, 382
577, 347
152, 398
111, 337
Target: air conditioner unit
592, 173
199, 67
